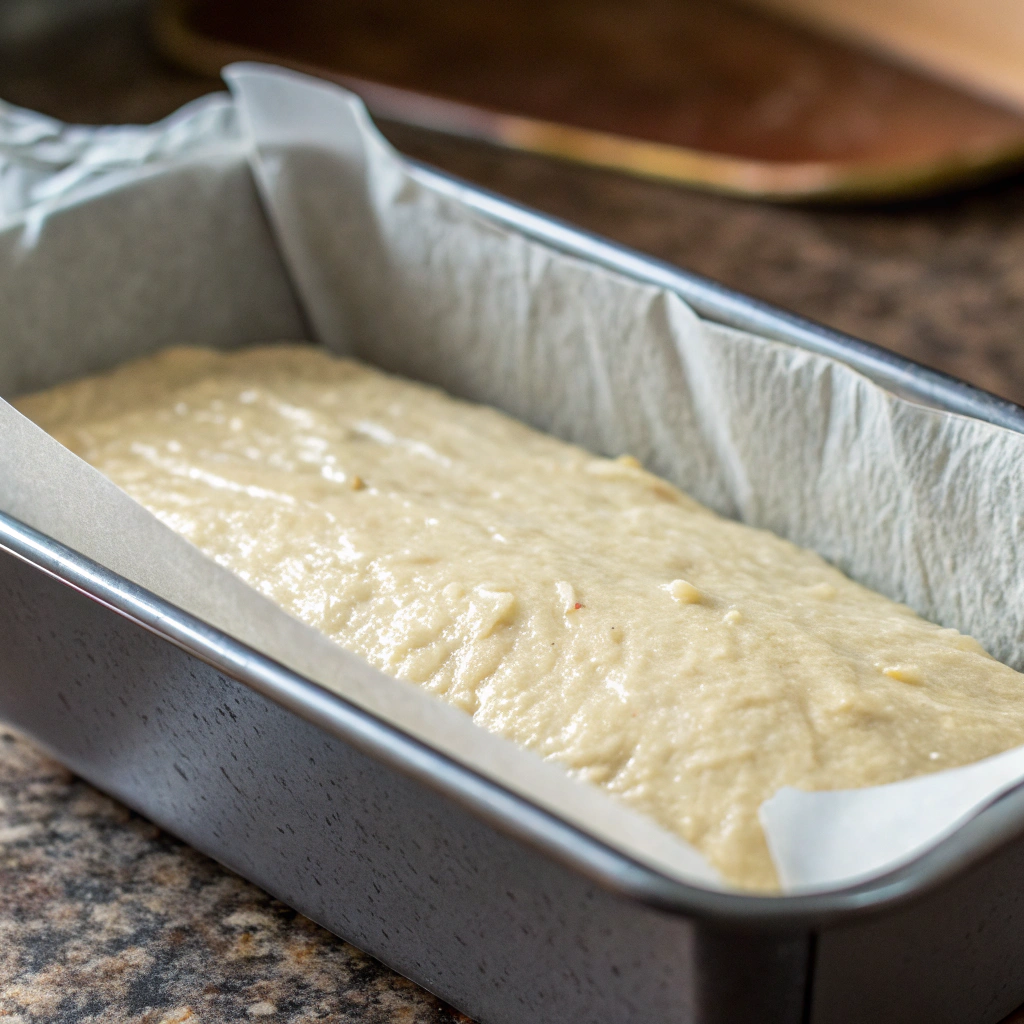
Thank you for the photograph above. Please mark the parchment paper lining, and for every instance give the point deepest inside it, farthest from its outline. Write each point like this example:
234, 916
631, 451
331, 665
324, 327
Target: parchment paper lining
117, 242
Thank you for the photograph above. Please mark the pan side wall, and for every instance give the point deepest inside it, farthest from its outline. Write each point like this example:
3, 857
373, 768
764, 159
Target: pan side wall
476, 916
953, 957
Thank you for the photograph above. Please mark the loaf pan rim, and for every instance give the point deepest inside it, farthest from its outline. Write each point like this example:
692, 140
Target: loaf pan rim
490, 800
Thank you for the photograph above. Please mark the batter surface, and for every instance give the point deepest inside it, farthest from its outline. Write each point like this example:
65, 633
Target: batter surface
580, 606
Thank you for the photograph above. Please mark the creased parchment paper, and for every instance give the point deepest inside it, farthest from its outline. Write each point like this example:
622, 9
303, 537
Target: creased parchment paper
115, 242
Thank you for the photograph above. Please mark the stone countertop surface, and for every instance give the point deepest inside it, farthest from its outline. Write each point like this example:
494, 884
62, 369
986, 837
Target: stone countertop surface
103, 917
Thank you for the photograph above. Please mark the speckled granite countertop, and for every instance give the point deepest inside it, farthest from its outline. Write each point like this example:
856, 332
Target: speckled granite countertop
105, 918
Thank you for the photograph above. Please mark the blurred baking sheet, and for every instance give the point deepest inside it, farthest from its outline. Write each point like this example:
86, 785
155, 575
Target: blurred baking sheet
693, 91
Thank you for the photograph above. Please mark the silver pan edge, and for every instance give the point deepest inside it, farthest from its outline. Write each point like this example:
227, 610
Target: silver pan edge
500, 908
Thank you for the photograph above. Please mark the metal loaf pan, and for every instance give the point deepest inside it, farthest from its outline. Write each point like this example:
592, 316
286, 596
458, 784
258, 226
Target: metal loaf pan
503, 910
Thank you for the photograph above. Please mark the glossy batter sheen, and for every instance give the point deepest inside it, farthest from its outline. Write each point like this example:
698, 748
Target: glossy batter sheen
584, 608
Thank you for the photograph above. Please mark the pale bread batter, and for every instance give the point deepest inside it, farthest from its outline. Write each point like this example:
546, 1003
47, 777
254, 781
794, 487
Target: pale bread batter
584, 608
